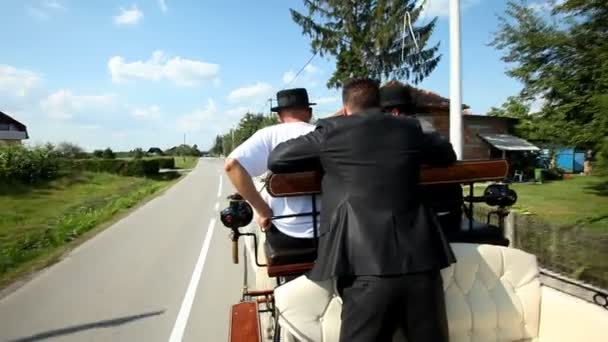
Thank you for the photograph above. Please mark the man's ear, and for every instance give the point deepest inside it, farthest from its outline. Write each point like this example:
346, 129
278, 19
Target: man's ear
345, 111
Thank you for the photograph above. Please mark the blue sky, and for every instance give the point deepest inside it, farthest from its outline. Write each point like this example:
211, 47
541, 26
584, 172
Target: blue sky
141, 73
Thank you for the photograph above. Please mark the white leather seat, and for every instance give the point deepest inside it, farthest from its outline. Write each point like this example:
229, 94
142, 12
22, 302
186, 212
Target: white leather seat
493, 293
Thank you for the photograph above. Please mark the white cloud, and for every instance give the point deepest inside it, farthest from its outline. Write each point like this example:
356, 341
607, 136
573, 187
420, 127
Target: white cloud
441, 8
258, 90
45, 9
180, 71
53, 5
64, 104
150, 112
193, 122
288, 76
311, 69
163, 5
545, 6
307, 76
130, 16
237, 112
326, 100
18, 81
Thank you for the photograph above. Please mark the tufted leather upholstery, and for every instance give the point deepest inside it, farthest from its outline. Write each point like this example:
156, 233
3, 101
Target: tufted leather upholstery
493, 293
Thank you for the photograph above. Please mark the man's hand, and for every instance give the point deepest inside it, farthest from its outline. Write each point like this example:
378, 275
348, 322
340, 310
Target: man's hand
243, 183
263, 218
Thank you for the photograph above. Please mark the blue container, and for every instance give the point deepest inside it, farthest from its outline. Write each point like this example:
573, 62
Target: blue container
570, 160
565, 160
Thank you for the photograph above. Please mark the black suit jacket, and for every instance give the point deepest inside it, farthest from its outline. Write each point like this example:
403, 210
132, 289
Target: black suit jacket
372, 218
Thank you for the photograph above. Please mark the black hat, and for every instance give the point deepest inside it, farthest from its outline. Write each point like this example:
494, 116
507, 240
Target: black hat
297, 97
395, 94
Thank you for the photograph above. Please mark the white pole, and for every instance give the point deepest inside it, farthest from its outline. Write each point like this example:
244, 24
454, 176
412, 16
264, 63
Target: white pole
455, 80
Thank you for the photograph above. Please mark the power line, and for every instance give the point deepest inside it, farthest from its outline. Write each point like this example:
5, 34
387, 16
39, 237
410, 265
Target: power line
300, 71
292, 80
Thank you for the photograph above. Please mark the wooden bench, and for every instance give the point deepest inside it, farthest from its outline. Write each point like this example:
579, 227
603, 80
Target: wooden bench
309, 183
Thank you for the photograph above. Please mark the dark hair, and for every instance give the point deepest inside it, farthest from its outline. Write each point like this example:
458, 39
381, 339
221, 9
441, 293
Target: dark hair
361, 93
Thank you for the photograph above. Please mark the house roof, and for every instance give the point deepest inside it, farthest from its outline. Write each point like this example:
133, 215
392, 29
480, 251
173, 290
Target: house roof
508, 142
5, 118
426, 99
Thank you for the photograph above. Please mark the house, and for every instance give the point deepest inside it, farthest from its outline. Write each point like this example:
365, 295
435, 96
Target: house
12, 132
484, 137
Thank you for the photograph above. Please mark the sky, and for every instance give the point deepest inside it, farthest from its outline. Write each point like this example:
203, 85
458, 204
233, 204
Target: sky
142, 73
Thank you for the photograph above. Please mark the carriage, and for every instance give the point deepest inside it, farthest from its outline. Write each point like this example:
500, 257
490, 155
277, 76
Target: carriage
493, 293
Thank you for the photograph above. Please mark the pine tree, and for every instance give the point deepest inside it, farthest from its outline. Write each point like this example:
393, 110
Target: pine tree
365, 37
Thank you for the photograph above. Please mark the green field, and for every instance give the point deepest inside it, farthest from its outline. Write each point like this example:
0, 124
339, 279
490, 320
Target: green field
38, 224
186, 162
581, 201
565, 224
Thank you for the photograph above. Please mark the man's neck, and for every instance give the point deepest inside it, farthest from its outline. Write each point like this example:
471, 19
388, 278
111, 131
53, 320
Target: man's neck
290, 119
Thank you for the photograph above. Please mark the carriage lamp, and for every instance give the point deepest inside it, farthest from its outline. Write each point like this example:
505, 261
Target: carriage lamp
495, 195
238, 214
499, 195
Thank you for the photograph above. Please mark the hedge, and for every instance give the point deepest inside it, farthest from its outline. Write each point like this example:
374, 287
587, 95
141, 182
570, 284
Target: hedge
21, 164
123, 167
166, 163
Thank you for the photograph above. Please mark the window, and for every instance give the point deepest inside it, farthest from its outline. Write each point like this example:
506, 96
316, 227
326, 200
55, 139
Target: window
4, 127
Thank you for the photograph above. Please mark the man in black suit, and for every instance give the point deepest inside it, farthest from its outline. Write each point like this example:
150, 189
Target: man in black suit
375, 236
445, 199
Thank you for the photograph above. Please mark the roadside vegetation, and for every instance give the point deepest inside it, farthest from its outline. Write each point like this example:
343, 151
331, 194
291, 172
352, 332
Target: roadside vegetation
579, 201
186, 163
565, 224
52, 198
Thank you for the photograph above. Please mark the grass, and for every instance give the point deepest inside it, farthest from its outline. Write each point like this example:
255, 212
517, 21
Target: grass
186, 162
38, 224
565, 224
580, 201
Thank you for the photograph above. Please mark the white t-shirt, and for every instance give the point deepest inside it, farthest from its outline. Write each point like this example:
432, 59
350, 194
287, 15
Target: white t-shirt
253, 156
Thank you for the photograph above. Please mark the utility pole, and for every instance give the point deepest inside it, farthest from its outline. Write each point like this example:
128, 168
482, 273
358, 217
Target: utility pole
455, 80
270, 107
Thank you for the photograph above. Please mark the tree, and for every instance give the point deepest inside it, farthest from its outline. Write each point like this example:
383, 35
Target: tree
70, 150
365, 38
561, 56
248, 125
98, 153
530, 126
108, 154
138, 153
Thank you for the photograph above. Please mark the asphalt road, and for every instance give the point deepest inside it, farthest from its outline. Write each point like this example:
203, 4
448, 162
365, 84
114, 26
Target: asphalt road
163, 273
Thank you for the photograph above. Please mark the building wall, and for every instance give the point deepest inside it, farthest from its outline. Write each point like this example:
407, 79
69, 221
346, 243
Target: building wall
5, 142
474, 147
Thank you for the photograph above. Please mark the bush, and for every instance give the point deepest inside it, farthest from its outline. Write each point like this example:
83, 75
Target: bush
70, 150
123, 167
138, 153
108, 154
166, 163
600, 166
24, 165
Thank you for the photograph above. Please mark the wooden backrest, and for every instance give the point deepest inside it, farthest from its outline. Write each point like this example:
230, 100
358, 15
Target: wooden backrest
462, 172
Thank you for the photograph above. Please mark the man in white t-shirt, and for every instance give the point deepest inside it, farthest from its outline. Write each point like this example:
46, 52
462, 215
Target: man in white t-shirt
250, 159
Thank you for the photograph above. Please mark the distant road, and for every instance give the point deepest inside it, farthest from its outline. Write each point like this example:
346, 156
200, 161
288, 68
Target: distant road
164, 273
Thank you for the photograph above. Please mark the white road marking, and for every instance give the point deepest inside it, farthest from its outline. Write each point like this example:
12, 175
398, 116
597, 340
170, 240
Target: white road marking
219, 189
217, 206
184, 312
